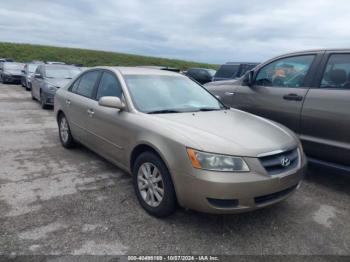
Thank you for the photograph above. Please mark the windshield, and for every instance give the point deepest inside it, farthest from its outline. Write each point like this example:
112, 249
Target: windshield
61, 72
32, 68
153, 93
227, 71
13, 66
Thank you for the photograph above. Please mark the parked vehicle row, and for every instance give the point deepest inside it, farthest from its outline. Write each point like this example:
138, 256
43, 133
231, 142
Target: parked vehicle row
308, 92
210, 148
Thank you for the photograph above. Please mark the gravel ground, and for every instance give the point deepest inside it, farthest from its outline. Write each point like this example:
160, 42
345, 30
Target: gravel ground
57, 201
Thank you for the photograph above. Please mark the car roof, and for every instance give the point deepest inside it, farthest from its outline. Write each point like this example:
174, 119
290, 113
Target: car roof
138, 71
57, 66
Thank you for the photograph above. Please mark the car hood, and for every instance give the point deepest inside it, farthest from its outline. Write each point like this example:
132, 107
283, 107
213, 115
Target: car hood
59, 82
232, 132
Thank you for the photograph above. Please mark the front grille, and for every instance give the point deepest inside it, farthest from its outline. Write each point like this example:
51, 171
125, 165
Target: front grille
271, 197
274, 163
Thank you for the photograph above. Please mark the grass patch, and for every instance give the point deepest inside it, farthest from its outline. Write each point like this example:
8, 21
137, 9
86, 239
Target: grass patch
29, 52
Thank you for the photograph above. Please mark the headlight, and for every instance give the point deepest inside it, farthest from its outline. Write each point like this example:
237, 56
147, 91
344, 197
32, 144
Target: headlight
51, 87
216, 162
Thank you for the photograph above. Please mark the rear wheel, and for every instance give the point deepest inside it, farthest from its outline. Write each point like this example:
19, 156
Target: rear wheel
153, 185
65, 134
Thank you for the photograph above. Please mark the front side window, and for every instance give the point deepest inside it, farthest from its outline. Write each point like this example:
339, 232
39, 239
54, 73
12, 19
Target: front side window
154, 93
87, 83
109, 86
285, 72
337, 73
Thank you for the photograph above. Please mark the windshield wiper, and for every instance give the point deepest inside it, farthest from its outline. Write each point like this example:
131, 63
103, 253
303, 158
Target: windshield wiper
164, 111
208, 109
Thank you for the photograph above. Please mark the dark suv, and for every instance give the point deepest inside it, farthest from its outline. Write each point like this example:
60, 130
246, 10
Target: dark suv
232, 70
201, 75
309, 92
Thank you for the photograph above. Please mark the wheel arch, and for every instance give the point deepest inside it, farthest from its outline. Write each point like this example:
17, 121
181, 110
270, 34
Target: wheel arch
141, 148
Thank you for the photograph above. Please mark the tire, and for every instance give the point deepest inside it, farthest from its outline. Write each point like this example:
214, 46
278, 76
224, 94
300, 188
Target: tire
144, 190
67, 140
31, 92
28, 87
42, 101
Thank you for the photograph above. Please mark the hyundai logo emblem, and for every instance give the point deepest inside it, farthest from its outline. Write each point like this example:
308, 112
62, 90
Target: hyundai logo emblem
285, 161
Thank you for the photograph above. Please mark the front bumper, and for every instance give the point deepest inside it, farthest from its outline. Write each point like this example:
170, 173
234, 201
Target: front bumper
48, 98
12, 78
224, 192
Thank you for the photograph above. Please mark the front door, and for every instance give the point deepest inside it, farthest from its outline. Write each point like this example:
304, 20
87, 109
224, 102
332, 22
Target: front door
278, 90
108, 126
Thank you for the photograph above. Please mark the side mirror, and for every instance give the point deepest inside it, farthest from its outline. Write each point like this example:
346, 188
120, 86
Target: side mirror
250, 81
23, 71
38, 76
111, 101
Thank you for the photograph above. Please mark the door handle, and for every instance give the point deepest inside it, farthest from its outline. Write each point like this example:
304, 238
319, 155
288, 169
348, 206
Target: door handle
229, 93
90, 112
293, 97
68, 102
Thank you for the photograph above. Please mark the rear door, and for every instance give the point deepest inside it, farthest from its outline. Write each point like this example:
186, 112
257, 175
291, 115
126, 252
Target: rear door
279, 89
325, 125
78, 104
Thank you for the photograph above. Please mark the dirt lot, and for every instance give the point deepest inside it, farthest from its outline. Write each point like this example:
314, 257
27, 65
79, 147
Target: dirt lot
58, 201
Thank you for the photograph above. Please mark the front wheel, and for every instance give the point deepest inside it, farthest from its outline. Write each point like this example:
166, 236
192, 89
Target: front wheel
42, 101
65, 134
153, 185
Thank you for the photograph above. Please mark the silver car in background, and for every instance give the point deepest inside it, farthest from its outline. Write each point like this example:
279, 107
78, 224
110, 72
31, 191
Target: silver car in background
11, 72
180, 143
48, 78
28, 72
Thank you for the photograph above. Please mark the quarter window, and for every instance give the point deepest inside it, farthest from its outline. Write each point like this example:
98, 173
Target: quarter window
87, 83
337, 72
109, 86
285, 72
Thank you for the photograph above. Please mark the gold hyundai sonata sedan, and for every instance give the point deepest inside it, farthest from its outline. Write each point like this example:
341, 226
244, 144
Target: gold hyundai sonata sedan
180, 143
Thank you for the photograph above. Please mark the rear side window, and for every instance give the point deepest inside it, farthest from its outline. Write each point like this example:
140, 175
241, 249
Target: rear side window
227, 71
285, 72
87, 83
337, 72
109, 86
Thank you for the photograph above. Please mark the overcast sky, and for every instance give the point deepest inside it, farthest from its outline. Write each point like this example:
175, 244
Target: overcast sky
200, 30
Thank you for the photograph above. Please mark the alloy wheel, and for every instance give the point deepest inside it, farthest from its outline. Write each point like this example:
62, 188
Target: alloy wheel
150, 184
64, 130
